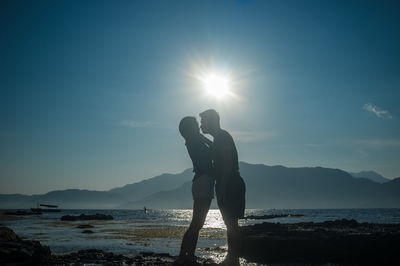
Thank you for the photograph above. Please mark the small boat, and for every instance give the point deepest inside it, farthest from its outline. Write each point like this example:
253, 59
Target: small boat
49, 208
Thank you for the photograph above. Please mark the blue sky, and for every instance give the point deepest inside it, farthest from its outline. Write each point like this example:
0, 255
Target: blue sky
92, 91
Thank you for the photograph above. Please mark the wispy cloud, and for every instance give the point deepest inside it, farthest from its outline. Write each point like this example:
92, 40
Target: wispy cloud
377, 111
248, 136
313, 145
140, 124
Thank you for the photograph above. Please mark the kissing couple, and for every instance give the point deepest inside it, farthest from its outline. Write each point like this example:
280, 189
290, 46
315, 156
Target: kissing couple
215, 163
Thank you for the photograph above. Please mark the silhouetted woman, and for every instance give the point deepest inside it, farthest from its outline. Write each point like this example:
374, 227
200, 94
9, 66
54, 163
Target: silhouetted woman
202, 187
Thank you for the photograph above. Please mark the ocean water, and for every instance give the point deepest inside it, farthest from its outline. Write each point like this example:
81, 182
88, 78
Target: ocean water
133, 231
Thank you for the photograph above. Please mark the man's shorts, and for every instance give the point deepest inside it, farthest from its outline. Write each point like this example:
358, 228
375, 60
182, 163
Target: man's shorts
232, 207
203, 187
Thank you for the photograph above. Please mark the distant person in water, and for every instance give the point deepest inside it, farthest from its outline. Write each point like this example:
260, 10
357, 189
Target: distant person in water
202, 186
230, 188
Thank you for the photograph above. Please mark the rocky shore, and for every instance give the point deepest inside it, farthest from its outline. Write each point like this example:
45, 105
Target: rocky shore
343, 242
339, 242
15, 251
99, 257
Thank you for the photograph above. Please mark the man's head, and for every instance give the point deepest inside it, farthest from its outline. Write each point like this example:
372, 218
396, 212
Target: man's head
209, 121
188, 127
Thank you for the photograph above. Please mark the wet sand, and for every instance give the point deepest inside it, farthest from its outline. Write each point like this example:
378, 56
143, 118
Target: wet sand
134, 232
165, 232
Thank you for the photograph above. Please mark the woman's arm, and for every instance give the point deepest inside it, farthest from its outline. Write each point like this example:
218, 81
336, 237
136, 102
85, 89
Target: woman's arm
206, 140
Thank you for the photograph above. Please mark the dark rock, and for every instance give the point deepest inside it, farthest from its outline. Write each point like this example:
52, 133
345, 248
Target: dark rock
84, 217
147, 254
342, 223
84, 226
13, 250
6, 234
87, 232
272, 216
163, 255
21, 213
338, 242
93, 254
100, 257
209, 262
215, 249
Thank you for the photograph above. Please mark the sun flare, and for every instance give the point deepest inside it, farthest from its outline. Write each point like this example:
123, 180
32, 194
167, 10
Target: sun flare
217, 85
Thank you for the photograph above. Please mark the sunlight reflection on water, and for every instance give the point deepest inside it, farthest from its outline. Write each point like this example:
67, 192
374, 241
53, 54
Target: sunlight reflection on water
214, 220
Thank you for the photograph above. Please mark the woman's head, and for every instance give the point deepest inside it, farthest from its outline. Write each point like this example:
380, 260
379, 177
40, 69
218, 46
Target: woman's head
188, 127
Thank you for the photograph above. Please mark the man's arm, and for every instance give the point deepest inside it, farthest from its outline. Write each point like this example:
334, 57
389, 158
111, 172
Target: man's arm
227, 162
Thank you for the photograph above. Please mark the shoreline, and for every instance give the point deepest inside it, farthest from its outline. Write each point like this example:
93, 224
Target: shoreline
337, 242
4, 217
16, 251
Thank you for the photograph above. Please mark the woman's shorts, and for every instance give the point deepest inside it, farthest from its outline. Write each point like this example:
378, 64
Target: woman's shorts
203, 187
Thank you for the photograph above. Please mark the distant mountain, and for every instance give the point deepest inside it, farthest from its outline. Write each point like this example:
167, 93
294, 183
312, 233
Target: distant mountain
371, 175
392, 188
66, 199
316, 187
178, 198
142, 189
266, 187
85, 199
14, 201
282, 187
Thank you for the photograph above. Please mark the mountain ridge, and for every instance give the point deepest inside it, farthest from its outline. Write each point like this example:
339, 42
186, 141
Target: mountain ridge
267, 187
372, 175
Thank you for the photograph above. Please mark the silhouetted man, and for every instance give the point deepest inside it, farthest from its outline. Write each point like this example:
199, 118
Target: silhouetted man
229, 187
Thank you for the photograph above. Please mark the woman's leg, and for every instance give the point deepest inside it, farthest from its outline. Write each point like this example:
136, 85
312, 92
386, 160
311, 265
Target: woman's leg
189, 241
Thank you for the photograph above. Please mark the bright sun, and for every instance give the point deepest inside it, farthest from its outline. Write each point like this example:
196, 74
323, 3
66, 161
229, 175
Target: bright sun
216, 85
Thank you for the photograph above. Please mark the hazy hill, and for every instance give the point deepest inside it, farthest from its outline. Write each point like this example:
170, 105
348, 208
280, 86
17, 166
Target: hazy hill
371, 175
179, 197
282, 187
391, 189
67, 199
85, 199
267, 187
144, 188
13, 201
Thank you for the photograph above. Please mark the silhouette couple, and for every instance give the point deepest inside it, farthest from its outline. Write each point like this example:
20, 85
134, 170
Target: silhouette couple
215, 163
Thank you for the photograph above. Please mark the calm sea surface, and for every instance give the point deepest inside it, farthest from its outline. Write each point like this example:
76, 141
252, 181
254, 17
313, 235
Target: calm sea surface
133, 231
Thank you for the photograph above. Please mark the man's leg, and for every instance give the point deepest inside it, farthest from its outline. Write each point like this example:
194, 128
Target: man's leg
189, 241
234, 243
